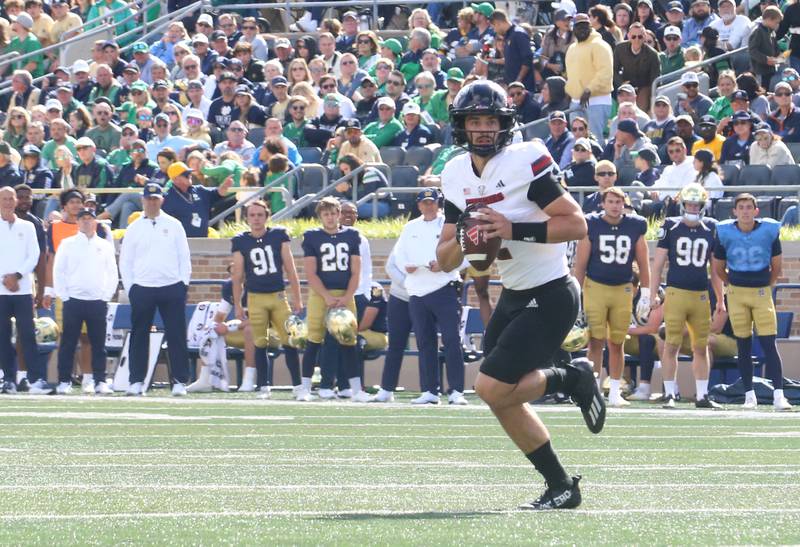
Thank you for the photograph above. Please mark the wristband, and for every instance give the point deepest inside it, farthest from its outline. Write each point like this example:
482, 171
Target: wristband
532, 232
50, 291
18, 275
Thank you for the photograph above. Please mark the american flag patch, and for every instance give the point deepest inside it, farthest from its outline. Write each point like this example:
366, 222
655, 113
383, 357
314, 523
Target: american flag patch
540, 165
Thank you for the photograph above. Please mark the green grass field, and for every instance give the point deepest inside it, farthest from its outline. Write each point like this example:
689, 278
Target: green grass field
233, 470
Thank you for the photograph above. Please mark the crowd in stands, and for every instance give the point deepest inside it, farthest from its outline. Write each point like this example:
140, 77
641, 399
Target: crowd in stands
227, 93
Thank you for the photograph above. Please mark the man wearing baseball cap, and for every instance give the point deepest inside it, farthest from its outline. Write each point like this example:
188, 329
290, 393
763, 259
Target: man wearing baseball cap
321, 129
736, 148
433, 300
34, 174
709, 138
414, 133
9, 174
383, 131
560, 141
691, 101
439, 105
155, 266
357, 145
733, 29
24, 42
591, 81
190, 204
671, 56
92, 171
628, 140
144, 61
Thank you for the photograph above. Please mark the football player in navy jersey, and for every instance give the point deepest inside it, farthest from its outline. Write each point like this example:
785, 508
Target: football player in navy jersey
686, 243
332, 266
514, 187
747, 257
260, 259
604, 267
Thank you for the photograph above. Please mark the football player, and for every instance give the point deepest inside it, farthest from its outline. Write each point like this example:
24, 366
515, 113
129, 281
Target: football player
687, 242
604, 267
260, 259
514, 188
747, 257
332, 265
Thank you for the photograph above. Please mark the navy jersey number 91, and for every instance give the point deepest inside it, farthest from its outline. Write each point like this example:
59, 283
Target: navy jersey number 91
263, 263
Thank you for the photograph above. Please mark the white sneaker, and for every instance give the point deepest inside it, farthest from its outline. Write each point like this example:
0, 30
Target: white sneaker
102, 388
361, 397
327, 394
750, 402
426, 398
40, 387
246, 387
87, 387
135, 390
457, 398
617, 401
345, 393
382, 396
264, 393
781, 405
64, 388
301, 394
640, 394
178, 389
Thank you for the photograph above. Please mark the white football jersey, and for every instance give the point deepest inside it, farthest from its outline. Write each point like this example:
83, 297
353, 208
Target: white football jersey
503, 186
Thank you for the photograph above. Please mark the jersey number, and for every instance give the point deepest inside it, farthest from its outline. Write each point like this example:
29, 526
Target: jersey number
335, 258
263, 260
691, 252
615, 249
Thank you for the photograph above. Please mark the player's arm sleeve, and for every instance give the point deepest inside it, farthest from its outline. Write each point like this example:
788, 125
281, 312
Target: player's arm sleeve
308, 247
776, 247
545, 189
451, 212
355, 244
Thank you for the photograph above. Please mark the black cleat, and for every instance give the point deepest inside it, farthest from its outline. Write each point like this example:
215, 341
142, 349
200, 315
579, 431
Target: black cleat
562, 497
669, 402
23, 386
587, 396
705, 402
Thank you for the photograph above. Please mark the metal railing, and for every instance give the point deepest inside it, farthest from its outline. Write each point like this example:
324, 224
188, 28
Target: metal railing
161, 22
307, 199
220, 218
673, 76
776, 188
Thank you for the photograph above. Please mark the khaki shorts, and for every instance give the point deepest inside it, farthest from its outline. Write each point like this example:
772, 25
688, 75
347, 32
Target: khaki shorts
374, 340
690, 309
268, 312
751, 305
608, 310
315, 316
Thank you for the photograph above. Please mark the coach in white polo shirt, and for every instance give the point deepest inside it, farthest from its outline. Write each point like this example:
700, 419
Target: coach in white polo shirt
156, 268
84, 278
20, 255
433, 301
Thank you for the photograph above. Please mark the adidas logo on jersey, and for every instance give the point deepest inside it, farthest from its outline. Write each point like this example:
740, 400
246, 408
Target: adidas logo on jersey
500, 184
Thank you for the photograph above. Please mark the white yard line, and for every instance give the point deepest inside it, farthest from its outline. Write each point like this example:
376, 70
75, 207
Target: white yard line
423, 514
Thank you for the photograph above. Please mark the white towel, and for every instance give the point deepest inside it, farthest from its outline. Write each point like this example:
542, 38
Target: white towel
212, 353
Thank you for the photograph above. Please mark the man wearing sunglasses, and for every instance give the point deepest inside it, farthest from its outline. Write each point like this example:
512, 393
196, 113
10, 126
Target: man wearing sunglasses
637, 64
785, 120
135, 174
691, 101
672, 55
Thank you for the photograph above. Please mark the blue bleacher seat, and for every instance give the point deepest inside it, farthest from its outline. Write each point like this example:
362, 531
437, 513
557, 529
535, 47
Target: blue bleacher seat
730, 174
419, 156
404, 175
393, 155
310, 154
785, 175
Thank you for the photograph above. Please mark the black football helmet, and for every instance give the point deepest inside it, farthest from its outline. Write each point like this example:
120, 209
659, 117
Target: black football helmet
482, 97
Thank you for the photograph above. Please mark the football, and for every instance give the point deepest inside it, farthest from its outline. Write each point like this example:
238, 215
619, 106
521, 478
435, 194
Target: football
479, 251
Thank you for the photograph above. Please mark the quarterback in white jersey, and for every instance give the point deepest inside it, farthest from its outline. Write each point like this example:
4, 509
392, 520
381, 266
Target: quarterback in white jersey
513, 187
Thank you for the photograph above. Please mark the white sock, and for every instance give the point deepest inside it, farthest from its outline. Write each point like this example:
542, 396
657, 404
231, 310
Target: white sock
777, 395
656, 365
613, 388
599, 383
750, 394
249, 375
355, 384
644, 388
306, 384
88, 377
702, 388
21, 375
669, 387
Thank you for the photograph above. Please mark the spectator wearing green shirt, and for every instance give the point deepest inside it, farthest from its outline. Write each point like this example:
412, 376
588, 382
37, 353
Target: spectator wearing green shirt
726, 85
439, 106
383, 131
672, 57
105, 134
139, 97
276, 167
122, 19
293, 130
122, 155
59, 133
426, 86
24, 42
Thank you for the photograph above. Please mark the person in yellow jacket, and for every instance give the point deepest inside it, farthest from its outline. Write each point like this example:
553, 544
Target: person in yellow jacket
590, 75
